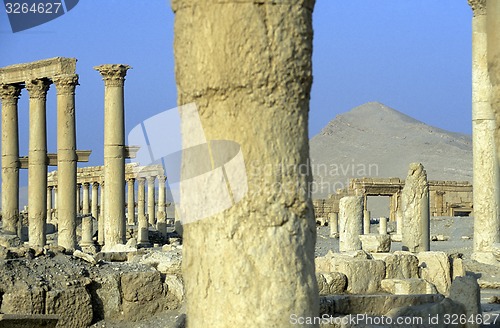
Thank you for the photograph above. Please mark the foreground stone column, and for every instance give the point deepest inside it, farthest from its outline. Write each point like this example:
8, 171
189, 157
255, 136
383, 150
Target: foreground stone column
415, 204
151, 199
485, 127
10, 159
86, 204
37, 163
350, 223
95, 201
333, 219
114, 152
131, 202
252, 86
66, 159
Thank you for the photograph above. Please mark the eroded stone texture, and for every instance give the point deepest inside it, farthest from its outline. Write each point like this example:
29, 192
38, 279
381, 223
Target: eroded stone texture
401, 265
350, 223
435, 268
73, 305
250, 76
415, 204
333, 221
465, 290
376, 243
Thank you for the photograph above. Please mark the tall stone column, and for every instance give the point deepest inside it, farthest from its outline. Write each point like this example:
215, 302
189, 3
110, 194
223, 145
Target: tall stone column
366, 222
66, 158
252, 86
151, 200
49, 203
114, 152
131, 201
333, 221
10, 159
101, 222
95, 200
78, 198
142, 222
55, 197
485, 127
37, 162
416, 216
161, 213
86, 204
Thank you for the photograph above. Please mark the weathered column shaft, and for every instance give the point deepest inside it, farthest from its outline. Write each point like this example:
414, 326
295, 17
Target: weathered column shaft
114, 152
49, 203
87, 228
350, 223
161, 216
333, 221
250, 76
10, 159
383, 226
95, 200
151, 200
66, 159
131, 202
366, 222
142, 222
101, 222
37, 162
78, 198
416, 216
86, 204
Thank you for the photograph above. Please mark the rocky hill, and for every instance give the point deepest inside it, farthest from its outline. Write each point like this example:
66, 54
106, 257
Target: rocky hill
378, 141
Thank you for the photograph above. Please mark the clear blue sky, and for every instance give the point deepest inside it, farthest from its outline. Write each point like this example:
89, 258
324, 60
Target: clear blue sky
412, 55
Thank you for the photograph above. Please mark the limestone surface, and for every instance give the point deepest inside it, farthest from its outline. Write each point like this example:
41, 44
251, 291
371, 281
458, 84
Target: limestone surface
350, 223
435, 268
415, 206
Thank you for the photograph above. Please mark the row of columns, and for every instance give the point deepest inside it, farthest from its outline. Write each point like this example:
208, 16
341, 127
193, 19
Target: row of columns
38, 158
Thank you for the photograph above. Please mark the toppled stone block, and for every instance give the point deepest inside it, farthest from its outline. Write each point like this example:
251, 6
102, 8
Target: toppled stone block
465, 290
440, 238
73, 305
24, 300
111, 256
363, 276
165, 262
327, 263
107, 299
435, 268
408, 286
457, 266
175, 287
401, 265
331, 283
84, 256
376, 243
7, 240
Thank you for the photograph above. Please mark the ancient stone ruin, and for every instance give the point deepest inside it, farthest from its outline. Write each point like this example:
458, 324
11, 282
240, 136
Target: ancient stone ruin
101, 245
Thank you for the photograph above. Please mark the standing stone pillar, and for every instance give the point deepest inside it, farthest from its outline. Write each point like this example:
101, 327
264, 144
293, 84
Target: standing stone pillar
142, 221
78, 198
151, 199
87, 229
10, 159
131, 202
366, 222
415, 204
333, 219
66, 158
383, 226
100, 223
485, 134
49, 203
254, 90
95, 201
350, 223
114, 152
161, 224
37, 162
55, 197
86, 205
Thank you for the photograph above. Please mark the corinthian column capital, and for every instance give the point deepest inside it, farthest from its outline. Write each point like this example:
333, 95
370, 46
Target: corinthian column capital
38, 88
10, 93
478, 7
113, 74
66, 84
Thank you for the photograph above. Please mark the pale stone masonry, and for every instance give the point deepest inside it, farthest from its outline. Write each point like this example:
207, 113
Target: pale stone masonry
250, 76
415, 204
114, 152
350, 223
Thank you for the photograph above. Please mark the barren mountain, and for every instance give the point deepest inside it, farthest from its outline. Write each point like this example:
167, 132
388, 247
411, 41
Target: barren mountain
378, 141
